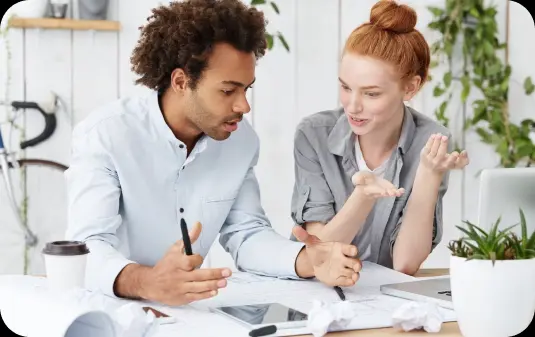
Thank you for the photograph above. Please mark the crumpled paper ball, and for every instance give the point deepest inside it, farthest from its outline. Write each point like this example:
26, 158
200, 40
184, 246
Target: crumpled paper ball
132, 321
325, 316
416, 315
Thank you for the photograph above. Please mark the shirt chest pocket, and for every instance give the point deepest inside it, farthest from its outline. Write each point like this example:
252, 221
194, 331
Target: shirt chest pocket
215, 210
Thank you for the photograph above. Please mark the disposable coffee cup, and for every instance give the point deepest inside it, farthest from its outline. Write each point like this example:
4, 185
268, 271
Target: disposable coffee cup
65, 264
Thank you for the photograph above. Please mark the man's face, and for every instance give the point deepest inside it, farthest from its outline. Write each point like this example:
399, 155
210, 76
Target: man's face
218, 102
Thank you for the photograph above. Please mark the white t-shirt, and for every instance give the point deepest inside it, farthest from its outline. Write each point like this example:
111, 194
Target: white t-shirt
379, 171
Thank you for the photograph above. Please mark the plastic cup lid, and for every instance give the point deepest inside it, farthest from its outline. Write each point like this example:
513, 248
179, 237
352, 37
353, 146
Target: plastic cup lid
66, 248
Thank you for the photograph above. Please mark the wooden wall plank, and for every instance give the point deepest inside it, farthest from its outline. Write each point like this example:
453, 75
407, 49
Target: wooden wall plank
12, 88
94, 68
50, 72
95, 80
353, 14
317, 56
132, 15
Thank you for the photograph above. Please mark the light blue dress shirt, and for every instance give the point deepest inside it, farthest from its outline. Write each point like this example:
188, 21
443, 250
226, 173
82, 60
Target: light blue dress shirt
130, 182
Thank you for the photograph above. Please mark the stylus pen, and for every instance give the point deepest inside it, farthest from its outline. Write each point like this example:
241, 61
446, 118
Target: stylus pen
340, 293
263, 331
185, 237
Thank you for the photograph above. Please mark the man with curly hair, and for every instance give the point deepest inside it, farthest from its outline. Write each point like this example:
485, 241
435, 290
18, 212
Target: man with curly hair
142, 164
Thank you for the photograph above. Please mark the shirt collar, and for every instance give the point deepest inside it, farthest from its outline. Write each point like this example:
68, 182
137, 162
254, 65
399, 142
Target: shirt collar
157, 117
341, 139
161, 125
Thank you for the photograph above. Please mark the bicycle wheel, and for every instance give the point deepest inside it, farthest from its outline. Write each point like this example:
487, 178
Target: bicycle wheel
46, 211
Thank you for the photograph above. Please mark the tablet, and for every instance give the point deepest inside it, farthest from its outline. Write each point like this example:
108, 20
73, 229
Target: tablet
259, 315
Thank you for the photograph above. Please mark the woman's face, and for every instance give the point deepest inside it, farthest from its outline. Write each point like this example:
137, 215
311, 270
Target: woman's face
372, 92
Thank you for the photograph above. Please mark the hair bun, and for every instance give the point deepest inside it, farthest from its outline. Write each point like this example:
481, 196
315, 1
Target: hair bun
388, 15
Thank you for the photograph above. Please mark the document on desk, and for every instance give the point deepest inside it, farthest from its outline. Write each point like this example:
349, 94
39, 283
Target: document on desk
44, 314
374, 310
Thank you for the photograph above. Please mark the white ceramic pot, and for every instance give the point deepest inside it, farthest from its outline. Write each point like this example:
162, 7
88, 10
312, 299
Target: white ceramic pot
492, 301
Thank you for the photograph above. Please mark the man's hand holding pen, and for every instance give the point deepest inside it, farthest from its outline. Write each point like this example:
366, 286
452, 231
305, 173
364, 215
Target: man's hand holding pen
176, 279
334, 263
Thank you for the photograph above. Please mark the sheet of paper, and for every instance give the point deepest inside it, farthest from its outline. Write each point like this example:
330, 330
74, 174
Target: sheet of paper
374, 309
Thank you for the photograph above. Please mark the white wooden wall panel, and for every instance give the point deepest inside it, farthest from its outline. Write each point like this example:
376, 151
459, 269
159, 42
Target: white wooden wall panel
317, 56
95, 64
521, 53
353, 14
274, 105
48, 68
11, 244
88, 69
132, 15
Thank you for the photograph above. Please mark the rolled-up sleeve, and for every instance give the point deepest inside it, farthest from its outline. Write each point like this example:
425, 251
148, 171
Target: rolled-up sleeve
93, 192
248, 236
312, 200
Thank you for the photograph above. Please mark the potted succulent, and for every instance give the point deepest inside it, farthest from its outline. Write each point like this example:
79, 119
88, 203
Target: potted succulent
493, 280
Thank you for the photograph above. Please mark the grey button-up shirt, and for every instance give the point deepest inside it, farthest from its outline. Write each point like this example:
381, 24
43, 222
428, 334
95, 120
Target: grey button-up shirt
324, 153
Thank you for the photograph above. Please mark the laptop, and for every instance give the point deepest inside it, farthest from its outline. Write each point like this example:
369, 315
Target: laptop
436, 291
502, 192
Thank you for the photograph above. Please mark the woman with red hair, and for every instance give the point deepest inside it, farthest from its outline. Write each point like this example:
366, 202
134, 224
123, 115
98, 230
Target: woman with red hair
374, 172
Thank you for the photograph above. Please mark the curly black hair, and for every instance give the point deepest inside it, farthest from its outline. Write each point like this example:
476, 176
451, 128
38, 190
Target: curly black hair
182, 34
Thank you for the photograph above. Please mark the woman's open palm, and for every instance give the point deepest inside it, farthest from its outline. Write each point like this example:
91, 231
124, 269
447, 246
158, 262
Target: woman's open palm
375, 187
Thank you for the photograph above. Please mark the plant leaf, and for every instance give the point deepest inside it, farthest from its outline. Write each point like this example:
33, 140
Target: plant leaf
494, 229
436, 11
474, 12
258, 2
529, 87
475, 249
283, 41
531, 241
438, 91
269, 41
524, 228
477, 257
493, 257
447, 79
442, 108
275, 7
530, 253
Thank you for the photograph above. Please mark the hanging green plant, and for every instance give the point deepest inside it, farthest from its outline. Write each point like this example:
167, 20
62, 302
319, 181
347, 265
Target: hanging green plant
473, 24
271, 37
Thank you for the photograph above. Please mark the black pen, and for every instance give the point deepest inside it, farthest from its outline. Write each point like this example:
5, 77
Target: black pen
185, 237
263, 331
340, 293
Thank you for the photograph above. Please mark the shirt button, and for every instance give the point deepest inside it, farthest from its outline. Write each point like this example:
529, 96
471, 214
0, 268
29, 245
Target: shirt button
181, 210
181, 146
